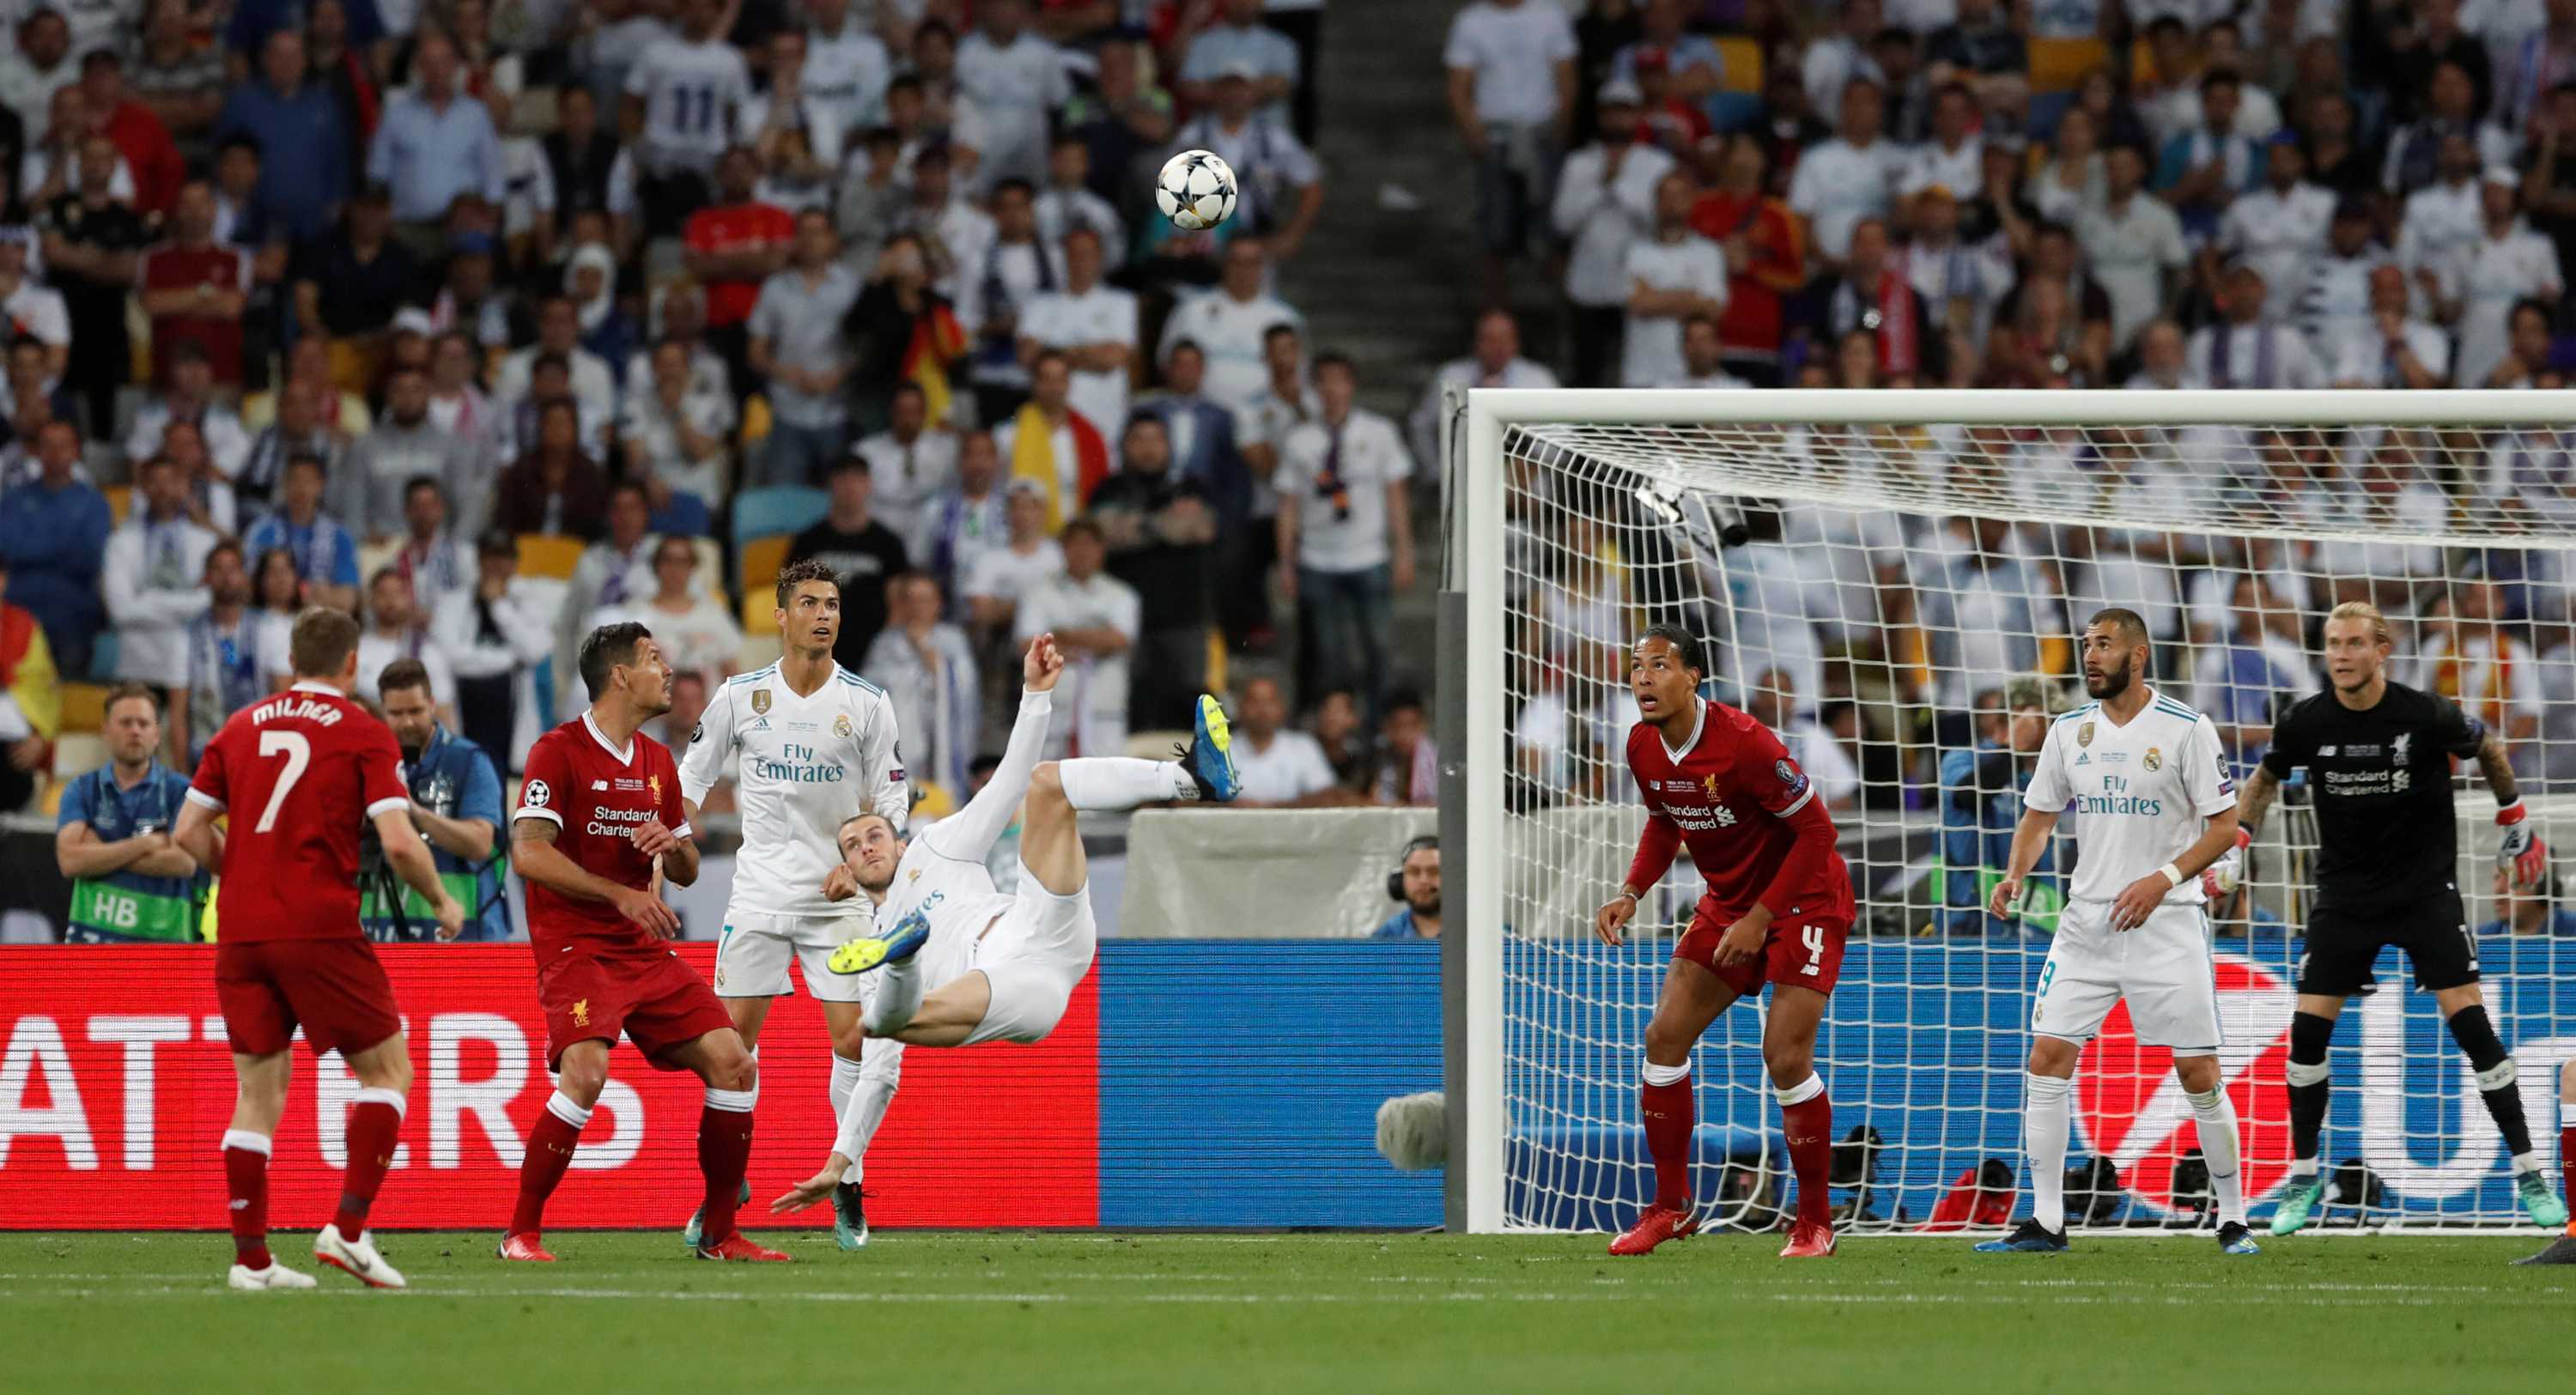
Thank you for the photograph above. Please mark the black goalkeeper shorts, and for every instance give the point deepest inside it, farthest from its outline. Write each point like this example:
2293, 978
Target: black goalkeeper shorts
2343, 945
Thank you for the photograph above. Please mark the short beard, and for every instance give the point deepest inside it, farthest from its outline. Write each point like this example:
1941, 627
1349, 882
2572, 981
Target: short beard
2111, 684
1432, 908
876, 888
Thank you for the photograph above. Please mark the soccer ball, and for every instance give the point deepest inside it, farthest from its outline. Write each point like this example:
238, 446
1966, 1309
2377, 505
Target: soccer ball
1196, 190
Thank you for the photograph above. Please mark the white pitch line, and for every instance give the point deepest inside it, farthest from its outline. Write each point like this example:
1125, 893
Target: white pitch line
2536, 1298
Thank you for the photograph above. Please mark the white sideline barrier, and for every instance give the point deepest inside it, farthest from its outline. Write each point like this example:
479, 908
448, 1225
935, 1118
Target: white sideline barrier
1263, 873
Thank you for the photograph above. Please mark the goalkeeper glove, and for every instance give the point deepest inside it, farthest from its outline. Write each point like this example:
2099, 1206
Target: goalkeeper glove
2520, 852
2220, 878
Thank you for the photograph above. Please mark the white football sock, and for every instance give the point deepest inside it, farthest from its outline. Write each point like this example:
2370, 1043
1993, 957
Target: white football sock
879, 1073
2046, 1116
845, 1078
898, 997
1121, 782
2215, 1117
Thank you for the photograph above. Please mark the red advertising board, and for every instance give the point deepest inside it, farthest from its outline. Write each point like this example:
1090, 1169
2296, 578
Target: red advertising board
116, 1085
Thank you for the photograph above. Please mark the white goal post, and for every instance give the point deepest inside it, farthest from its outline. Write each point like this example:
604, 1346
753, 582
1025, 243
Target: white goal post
1894, 574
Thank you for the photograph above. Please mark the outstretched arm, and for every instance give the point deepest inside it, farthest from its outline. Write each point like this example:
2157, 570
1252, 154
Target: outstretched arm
971, 832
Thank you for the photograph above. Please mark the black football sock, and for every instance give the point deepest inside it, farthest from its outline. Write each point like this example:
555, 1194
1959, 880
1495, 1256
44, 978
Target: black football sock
2476, 1034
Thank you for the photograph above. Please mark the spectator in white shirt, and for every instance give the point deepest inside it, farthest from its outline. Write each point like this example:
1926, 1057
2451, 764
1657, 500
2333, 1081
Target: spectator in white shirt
675, 443
494, 635
797, 343
927, 668
2246, 350
1093, 326
2505, 265
846, 64
910, 462
1239, 37
1849, 177
1511, 92
1279, 184
2441, 219
1494, 362
188, 395
1231, 325
396, 629
154, 578
1671, 277
995, 579
559, 332
1704, 357
1014, 78
2403, 352
1095, 619
1955, 158
1346, 534
1279, 765
1067, 202
1605, 203
695, 629
430, 556
1835, 59
2281, 226
2134, 243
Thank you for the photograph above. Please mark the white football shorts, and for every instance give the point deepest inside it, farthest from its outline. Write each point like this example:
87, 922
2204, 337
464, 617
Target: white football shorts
1032, 959
2163, 968
753, 953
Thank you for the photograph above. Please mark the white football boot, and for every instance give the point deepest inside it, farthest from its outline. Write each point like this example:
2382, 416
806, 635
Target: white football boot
357, 1258
276, 1275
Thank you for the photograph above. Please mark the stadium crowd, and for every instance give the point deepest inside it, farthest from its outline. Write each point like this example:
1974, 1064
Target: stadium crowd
2153, 195
494, 322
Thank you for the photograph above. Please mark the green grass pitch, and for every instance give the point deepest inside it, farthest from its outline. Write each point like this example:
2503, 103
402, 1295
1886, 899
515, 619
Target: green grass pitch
1461, 1315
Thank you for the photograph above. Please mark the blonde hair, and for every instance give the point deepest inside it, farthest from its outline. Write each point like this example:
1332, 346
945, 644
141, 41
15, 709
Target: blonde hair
2362, 610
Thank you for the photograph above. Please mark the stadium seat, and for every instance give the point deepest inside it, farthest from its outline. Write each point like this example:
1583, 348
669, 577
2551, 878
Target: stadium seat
756, 419
84, 707
1743, 59
2059, 65
761, 559
78, 753
786, 508
375, 555
549, 555
708, 571
120, 498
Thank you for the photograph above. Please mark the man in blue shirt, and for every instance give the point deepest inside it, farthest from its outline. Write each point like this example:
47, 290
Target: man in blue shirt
54, 532
304, 159
456, 804
130, 883
1981, 806
326, 554
434, 144
1415, 882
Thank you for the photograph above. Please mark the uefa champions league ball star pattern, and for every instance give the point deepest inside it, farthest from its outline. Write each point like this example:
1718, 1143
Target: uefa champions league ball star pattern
1196, 190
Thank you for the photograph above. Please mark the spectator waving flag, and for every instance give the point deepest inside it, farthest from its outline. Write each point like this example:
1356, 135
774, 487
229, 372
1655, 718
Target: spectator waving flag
937, 341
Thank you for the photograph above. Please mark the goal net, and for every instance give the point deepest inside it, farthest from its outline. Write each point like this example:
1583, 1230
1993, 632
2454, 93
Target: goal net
1894, 581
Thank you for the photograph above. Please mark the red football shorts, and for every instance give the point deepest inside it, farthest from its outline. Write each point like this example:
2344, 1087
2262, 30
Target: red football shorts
334, 989
1800, 951
651, 995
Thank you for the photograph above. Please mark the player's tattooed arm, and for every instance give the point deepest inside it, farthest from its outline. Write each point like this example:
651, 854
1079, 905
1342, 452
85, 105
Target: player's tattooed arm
534, 831
2498, 770
2260, 790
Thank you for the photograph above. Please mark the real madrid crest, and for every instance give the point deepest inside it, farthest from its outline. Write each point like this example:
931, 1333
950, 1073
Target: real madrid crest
2155, 759
760, 703
2083, 734
841, 725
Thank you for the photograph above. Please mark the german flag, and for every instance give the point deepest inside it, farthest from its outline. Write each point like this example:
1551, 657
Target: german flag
937, 341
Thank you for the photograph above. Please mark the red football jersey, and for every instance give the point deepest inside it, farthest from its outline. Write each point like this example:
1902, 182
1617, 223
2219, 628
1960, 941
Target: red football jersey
1730, 794
300, 774
735, 227
597, 794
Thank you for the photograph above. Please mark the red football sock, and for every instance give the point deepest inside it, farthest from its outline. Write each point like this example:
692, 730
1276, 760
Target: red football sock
1809, 1124
246, 1184
724, 1155
1670, 1111
375, 1130
550, 1149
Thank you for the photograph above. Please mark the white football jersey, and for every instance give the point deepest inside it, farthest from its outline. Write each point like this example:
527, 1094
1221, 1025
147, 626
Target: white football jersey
808, 763
943, 873
2139, 793
690, 92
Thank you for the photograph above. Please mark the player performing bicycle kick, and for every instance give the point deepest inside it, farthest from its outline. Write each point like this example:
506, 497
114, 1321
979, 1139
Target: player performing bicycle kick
963, 962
